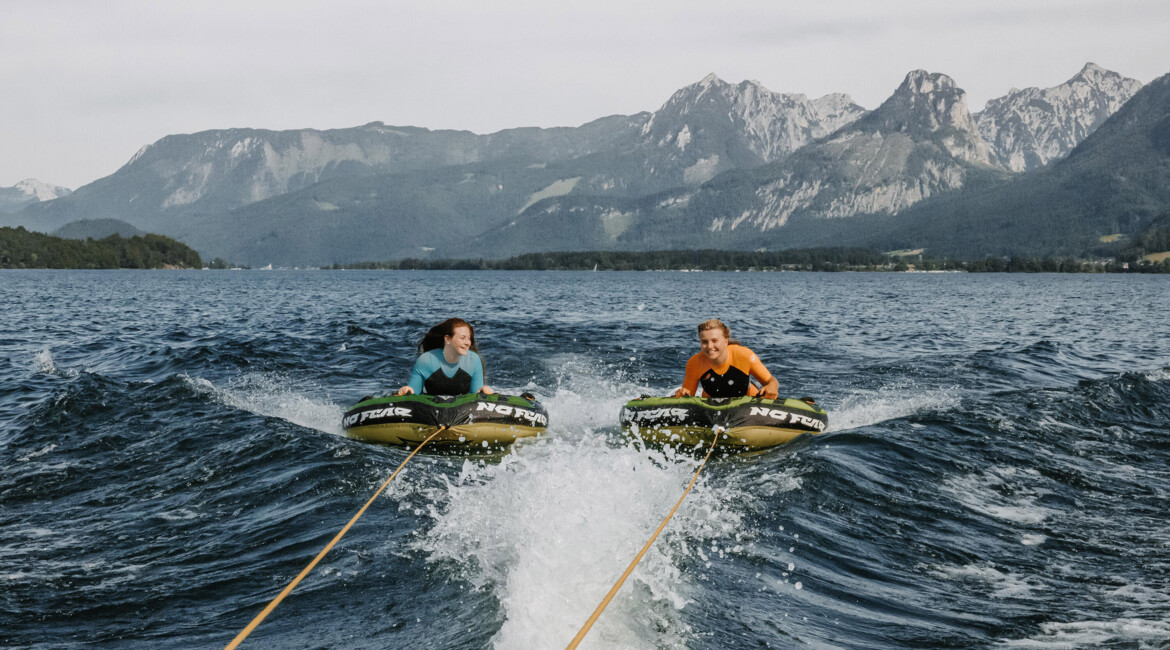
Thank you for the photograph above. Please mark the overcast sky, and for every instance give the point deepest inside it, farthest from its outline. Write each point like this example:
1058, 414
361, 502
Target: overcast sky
84, 84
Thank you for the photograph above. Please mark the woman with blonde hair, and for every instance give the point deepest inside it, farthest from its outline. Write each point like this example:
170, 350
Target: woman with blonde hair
724, 367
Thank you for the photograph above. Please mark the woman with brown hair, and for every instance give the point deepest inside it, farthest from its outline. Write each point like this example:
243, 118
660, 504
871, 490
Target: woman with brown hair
448, 362
724, 368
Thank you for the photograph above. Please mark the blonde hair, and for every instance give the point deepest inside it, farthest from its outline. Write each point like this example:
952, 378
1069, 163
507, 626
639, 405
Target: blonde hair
715, 323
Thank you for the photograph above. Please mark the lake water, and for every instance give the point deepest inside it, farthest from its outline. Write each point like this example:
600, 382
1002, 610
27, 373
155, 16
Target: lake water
996, 473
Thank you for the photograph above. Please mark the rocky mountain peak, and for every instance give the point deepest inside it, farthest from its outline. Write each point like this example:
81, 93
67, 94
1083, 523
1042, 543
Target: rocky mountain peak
924, 103
1092, 70
29, 191
40, 190
837, 110
922, 82
711, 79
713, 125
1031, 127
686, 99
930, 106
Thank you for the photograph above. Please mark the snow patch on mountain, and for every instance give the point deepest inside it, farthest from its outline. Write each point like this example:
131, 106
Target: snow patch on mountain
702, 171
616, 222
558, 188
29, 191
40, 190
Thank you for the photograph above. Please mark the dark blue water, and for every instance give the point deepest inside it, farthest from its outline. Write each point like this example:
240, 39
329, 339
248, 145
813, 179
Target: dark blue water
996, 473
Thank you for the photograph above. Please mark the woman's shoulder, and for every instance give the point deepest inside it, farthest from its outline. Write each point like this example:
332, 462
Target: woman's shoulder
742, 351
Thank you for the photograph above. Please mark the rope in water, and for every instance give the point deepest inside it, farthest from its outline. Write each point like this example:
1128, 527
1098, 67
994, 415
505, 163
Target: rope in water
630, 569
276, 601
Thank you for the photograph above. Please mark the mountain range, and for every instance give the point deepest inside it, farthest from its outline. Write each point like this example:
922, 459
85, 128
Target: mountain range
27, 192
1112, 187
718, 165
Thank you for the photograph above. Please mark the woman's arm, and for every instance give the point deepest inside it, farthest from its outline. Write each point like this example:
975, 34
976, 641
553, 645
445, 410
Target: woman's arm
769, 386
690, 379
418, 375
476, 363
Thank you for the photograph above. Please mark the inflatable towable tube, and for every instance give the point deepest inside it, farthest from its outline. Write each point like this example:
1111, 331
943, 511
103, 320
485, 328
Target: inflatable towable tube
743, 422
473, 420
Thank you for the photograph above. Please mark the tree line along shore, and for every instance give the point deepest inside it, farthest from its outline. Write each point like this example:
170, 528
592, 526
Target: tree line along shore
23, 249
808, 259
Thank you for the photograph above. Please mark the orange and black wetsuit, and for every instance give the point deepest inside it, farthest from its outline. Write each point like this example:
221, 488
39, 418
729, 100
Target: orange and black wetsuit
729, 380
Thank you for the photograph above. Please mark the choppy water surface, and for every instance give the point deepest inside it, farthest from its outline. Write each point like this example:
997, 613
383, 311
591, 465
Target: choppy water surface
996, 474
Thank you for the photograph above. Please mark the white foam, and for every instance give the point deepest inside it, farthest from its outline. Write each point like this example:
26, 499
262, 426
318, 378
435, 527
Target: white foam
179, 514
1003, 584
869, 408
588, 396
40, 452
1121, 632
43, 363
1003, 493
1139, 595
273, 396
1162, 374
552, 526
20, 576
770, 484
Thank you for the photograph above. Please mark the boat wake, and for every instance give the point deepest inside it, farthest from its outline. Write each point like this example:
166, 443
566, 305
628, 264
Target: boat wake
863, 409
275, 396
552, 526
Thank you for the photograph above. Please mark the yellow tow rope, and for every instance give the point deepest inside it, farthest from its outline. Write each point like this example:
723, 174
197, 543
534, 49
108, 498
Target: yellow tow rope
630, 569
276, 601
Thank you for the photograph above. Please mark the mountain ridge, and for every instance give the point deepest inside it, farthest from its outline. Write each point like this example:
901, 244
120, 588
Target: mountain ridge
29, 191
919, 142
1029, 128
731, 165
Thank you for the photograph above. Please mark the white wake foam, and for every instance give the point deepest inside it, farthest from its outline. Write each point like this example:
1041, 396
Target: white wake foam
1003, 584
1006, 493
872, 407
552, 526
587, 395
44, 363
275, 396
1137, 633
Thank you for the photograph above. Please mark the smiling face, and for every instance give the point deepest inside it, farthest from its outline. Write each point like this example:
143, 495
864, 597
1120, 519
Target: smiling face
459, 342
713, 345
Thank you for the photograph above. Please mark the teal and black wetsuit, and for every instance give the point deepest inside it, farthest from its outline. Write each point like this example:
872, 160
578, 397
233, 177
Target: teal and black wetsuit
434, 376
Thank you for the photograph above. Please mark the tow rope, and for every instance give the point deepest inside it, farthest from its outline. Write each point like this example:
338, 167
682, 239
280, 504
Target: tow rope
276, 601
630, 569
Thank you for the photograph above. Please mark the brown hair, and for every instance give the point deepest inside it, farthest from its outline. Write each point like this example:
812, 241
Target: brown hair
715, 323
434, 338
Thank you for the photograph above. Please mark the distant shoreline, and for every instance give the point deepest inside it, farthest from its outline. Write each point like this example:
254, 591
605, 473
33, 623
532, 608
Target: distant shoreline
794, 260
23, 249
